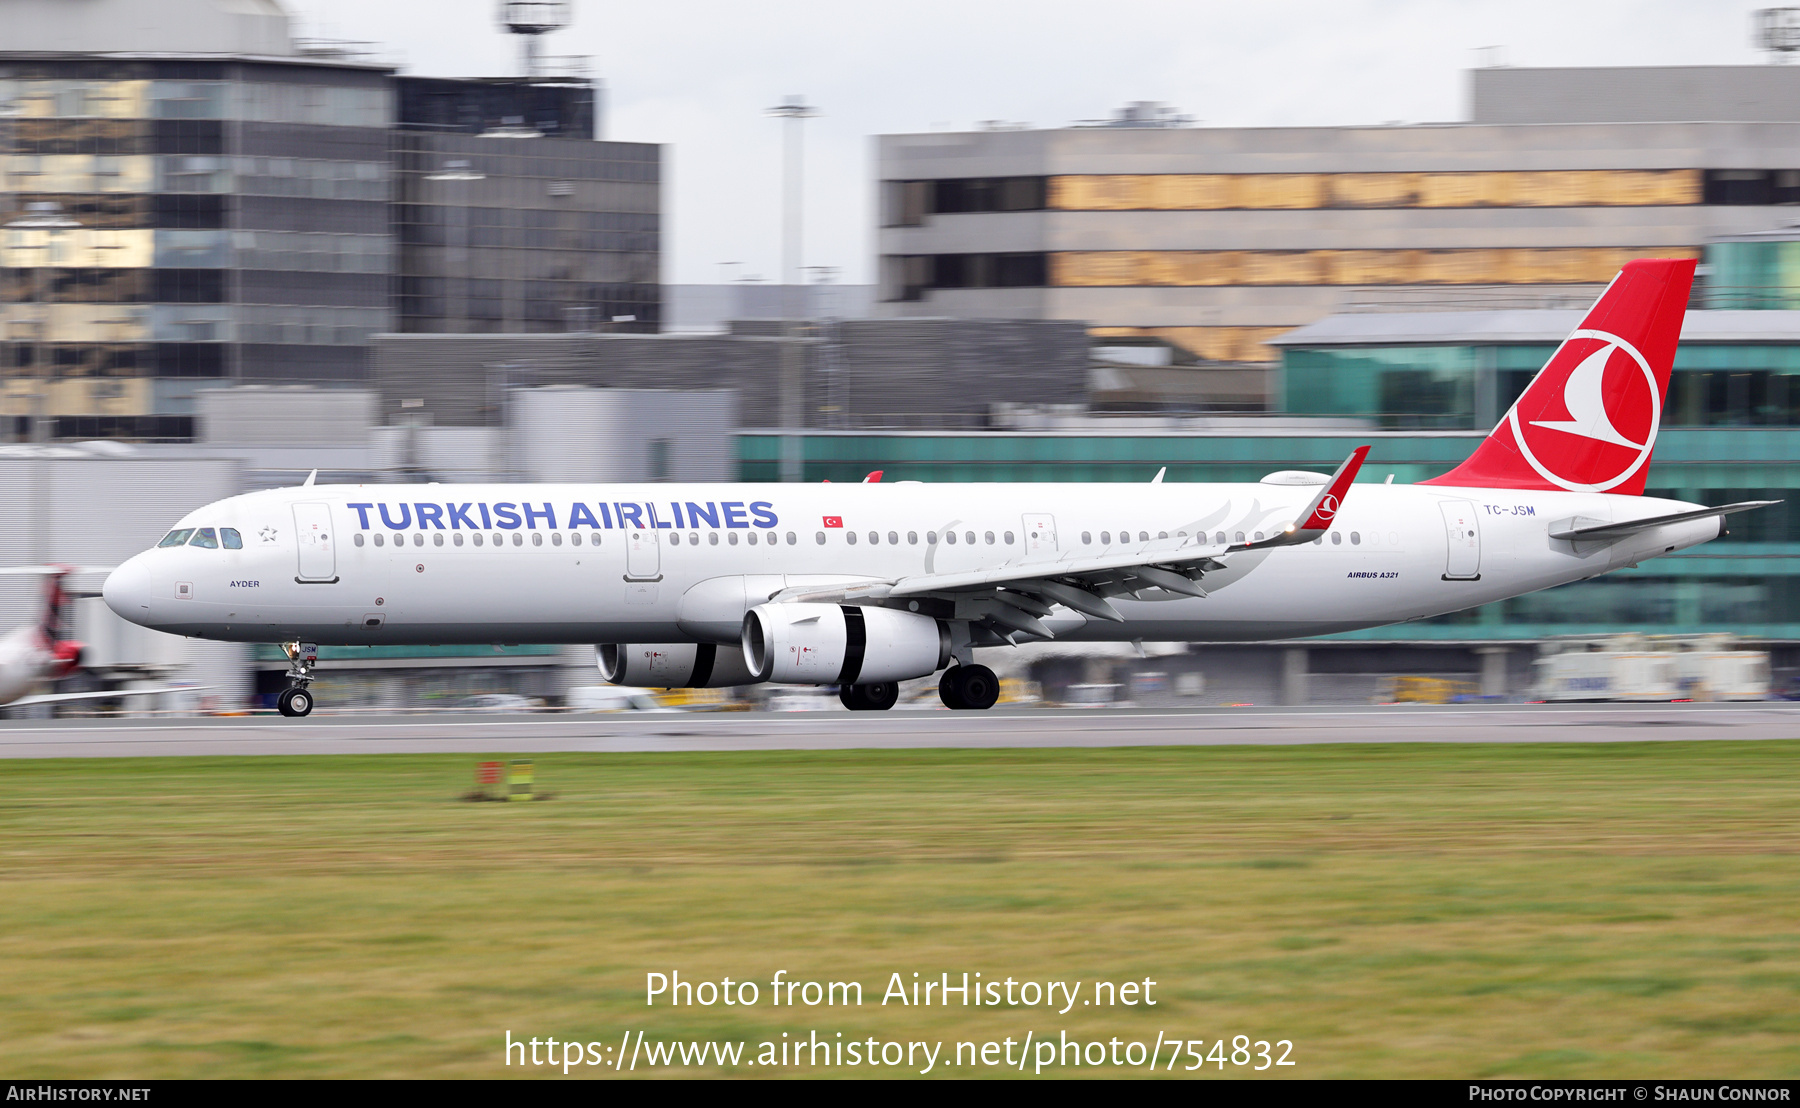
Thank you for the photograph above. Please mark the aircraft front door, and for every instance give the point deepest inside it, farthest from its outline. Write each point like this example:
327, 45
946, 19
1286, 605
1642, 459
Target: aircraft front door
1463, 532
643, 556
1040, 534
318, 546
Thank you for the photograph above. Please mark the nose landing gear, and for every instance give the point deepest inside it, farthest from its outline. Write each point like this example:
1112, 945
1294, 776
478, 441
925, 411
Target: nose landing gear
297, 698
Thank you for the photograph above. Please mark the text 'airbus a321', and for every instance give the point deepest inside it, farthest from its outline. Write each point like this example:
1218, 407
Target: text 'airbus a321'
863, 586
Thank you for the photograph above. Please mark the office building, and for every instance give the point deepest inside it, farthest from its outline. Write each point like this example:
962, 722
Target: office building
194, 198
1218, 240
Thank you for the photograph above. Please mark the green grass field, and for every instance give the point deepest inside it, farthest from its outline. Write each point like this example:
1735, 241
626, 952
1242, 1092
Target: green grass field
1449, 911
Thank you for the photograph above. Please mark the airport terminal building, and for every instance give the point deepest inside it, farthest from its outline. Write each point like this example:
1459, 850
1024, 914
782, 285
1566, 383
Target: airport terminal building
1217, 240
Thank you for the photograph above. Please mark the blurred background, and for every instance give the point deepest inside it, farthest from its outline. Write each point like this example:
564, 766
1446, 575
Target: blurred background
246, 239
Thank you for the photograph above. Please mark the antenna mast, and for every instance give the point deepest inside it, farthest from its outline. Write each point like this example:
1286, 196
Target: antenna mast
530, 18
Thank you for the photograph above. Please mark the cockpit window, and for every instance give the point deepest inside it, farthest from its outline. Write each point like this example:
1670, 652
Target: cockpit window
176, 538
230, 539
205, 537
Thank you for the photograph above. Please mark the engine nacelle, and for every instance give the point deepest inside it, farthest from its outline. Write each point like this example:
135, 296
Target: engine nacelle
842, 644
68, 658
673, 665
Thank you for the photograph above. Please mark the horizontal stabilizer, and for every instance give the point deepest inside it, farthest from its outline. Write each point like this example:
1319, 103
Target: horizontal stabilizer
1608, 531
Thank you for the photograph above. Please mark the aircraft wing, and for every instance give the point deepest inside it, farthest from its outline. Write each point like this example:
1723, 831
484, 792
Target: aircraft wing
1012, 597
1606, 532
61, 698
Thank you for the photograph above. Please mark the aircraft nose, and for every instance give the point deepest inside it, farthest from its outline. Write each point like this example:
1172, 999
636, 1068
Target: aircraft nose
127, 590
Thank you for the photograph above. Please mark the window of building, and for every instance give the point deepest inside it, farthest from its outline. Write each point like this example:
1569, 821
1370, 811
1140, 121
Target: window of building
661, 465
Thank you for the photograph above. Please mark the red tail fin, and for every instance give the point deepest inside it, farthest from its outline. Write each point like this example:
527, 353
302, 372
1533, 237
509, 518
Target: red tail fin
1588, 420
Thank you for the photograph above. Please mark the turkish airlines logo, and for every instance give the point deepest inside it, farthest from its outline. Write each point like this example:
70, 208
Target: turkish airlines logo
1327, 509
1589, 420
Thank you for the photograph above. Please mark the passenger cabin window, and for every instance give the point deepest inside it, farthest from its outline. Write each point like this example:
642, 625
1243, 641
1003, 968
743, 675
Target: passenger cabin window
1087, 538
177, 538
230, 539
912, 538
970, 537
931, 538
1106, 538
378, 538
1356, 538
850, 537
893, 538
950, 537
357, 538
205, 537
1009, 538
821, 535
1220, 538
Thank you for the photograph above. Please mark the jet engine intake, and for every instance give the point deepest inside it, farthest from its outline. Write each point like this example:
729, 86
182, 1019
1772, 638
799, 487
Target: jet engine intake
842, 644
679, 665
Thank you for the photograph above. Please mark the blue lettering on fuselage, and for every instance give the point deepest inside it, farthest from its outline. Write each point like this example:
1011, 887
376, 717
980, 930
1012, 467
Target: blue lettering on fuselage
507, 515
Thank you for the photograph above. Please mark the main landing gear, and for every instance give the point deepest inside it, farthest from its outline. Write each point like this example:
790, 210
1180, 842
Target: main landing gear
297, 698
967, 688
878, 697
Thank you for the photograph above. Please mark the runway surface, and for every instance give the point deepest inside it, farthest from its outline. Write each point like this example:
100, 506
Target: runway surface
527, 734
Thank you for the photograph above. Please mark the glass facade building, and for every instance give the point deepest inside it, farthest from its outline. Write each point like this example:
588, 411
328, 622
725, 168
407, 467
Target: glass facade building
172, 223
505, 234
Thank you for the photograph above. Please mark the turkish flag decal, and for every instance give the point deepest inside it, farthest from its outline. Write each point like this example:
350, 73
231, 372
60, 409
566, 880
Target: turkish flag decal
834, 521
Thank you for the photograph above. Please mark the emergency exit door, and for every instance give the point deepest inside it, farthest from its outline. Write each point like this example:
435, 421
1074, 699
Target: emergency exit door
1040, 534
1463, 534
643, 555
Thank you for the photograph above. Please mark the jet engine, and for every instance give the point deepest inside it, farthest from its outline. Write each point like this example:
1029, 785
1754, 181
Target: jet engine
673, 665
842, 644
68, 657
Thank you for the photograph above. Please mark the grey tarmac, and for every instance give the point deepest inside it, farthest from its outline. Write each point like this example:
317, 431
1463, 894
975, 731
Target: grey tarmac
373, 733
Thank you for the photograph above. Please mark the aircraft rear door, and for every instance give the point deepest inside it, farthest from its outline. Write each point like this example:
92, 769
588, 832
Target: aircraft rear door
643, 556
318, 549
1463, 533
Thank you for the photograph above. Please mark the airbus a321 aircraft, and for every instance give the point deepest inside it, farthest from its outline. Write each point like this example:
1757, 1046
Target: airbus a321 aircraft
863, 586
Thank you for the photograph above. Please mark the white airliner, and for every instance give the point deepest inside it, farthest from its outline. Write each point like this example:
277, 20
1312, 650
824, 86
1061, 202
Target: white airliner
862, 586
34, 654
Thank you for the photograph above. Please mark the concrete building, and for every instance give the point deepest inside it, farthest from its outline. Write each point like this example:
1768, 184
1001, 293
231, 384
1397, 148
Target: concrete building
1218, 240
